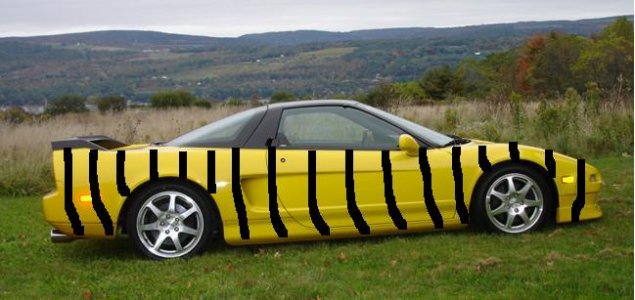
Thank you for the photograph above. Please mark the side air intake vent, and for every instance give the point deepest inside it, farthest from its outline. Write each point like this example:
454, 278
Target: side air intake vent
91, 142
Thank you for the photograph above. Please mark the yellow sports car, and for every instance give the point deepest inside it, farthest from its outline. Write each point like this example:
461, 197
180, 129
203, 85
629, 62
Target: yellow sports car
307, 170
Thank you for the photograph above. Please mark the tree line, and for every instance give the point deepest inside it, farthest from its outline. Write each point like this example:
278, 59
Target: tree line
545, 66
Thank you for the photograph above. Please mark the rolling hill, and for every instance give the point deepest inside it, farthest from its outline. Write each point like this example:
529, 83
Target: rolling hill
306, 62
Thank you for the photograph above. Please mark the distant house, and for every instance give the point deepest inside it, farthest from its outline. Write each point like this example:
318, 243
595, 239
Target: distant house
132, 103
91, 107
33, 109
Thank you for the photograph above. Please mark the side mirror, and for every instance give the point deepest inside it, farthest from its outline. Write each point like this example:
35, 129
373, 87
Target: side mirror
408, 144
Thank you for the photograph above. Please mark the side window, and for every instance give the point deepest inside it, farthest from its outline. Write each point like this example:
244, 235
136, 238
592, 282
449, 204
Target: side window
335, 127
222, 131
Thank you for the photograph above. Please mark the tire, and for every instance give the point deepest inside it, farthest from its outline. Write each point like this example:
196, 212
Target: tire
171, 219
525, 207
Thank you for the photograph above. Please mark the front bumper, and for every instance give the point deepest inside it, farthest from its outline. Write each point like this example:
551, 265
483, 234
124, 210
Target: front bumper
591, 209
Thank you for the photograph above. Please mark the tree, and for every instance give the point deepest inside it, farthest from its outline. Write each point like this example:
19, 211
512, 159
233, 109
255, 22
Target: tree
610, 57
67, 104
497, 73
551, 70
410, 91
620, 28
476, 77
282, 96
177, 98
111, 103
525, 60
440, 82
15, 115
381, 95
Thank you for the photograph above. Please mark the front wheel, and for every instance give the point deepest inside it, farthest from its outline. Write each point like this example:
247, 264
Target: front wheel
170, 220
512, 199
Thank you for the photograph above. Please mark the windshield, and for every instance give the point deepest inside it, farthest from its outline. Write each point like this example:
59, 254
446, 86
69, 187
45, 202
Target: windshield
222, 131
421, 132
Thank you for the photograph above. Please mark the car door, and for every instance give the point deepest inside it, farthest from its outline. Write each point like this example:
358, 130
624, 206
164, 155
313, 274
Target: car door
331, 170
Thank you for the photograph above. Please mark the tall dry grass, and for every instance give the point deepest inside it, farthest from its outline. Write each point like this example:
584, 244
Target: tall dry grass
25, 151
570, 127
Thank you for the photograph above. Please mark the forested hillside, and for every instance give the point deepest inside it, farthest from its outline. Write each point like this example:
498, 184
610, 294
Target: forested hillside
546, 65
136, 64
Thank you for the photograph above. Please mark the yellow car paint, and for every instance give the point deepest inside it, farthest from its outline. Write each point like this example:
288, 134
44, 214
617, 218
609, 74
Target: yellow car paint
293, 189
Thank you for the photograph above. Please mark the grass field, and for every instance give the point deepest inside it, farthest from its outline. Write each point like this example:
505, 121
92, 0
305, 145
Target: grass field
265, 65
592, 260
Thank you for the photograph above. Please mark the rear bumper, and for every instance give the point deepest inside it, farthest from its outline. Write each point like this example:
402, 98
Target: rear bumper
57, 217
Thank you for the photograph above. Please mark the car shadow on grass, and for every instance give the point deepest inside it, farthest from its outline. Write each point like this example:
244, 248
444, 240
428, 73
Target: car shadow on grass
551, 229
122, 250
117, 249
220, 247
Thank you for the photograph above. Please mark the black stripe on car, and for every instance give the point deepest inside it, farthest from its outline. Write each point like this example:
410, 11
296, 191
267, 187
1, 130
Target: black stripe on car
69, 206
122, 187
550, 163
154, 168
457, 173
314, 210
578, 203
483, 161
182, 164
389, 194
274, 212
514, 154
351, 204
211, 171
428, 196
237, 192
95, 194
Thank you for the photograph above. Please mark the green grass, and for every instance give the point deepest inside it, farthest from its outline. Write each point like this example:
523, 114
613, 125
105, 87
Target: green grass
592, 260
264, 66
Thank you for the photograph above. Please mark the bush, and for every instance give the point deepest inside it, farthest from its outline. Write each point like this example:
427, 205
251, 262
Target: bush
559, 123
518, 113
614, 134
203, 104
451, 117
441, 82
547, 120
178, 98
592, 96
111, 103
66, 104
282, 96
410, 91
380, 96
15, 115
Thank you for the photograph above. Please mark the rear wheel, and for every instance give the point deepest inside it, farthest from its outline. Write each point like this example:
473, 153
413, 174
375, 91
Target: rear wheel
512, 199
170, 220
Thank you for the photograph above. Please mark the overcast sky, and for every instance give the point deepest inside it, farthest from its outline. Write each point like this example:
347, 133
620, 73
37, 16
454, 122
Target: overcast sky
237, 17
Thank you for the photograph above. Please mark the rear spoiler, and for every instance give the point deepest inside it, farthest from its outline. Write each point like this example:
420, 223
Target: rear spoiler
100, 142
